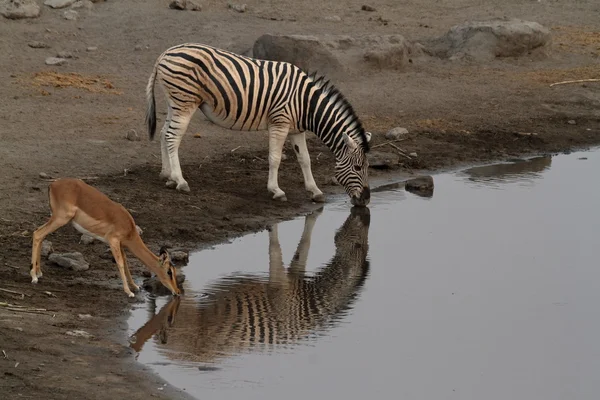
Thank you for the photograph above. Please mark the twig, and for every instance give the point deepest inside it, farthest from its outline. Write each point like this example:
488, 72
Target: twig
318, 155
235, 149
196, 207
400, 151
575, 81
14, 292
258, 158
390, 142
3, 352
11, 266
49, 294
28, 311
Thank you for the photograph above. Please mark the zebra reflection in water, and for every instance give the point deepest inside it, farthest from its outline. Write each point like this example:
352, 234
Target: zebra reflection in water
246, 312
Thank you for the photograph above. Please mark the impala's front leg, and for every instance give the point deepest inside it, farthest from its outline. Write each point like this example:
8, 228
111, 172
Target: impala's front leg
299, 142
277, 136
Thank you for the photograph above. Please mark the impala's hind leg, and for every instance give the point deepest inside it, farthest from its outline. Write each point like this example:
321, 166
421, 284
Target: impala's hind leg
174, 133
299, 142
165, 172
52, 225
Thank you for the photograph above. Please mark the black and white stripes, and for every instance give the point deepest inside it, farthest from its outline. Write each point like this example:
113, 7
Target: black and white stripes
242, 93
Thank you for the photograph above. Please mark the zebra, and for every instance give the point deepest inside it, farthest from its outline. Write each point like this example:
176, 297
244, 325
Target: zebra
246, 312
248, 94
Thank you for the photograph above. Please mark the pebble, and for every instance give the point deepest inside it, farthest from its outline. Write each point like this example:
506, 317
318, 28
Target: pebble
83, 4
86, 239
79, 333
55, 61
237, 7
178, 5
92, 48
192, 5
70, 15
64, 54
572, 122
44, 175
396, 133
413, 154
84, 316
333, 18
46, 248
58, 3
367, 8
38, 45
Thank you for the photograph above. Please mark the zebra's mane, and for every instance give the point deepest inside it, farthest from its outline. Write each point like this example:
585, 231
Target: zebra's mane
333, 93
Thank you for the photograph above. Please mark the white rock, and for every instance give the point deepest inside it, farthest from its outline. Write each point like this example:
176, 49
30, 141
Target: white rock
396, 133
19, 9
70, 15
55, 61
87, 4
58, 3
86, 239
79, 333
92, 48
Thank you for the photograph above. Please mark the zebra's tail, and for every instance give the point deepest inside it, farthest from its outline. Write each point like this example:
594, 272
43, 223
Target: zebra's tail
151, 109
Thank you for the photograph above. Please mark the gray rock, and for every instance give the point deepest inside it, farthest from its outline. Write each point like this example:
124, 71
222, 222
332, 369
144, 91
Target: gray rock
421, 185
59, 3
86, 239
74, 261
486, 40
44, 175
107, 255
388, 51
19, 9
55, 61
70, 15
193, 6
572, 122
178, 255
92, 48
46, 248
333, 18
38, 45
413, 155
306, 52
155, 286
383, 160
84, 316
237, 7
367, 8
178, 4
396, 133
64, 54
87, 4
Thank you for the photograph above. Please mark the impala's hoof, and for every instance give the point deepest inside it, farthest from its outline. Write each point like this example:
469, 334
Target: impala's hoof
319, 198
130, 294
34, 280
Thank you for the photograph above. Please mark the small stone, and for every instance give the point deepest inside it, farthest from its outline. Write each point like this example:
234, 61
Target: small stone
44, 175
237, 7
87, 4
38, 45
197, 135
70, 15
413, 155
396, 133
46, 248
138, 47
178, 5
64, 54
55, 61
79, 333
19, 9
333, 18
84, 316
73, 261
132, 135
58, 3
421, 186
367, 8
92, 48
178, 256
86, 239
192, 5
572, 122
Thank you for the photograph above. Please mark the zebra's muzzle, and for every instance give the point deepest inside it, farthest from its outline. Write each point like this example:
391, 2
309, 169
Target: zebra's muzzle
363, 199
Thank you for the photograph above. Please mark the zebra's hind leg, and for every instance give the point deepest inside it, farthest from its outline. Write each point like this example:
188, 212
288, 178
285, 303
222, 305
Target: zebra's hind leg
165, 172
277, 136
299, 142
177, 127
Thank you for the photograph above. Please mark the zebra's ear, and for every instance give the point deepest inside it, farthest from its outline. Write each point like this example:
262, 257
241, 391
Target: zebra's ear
349, 142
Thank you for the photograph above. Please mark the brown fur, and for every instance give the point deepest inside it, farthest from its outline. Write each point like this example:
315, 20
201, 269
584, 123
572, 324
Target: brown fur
72, 200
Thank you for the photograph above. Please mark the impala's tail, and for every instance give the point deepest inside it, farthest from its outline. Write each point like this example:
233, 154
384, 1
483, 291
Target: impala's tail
151, 109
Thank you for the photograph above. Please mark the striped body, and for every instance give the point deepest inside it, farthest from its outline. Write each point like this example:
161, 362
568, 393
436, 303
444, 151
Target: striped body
246, 94
246, 312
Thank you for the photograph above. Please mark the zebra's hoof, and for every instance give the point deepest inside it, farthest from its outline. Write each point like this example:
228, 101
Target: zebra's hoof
183, 187
280, 197
164, 175
319, 198
171, 184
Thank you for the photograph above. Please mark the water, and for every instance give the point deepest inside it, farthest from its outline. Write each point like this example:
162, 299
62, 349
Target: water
486, 290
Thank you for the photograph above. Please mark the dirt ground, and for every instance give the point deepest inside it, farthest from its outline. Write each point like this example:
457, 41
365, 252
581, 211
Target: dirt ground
71, 120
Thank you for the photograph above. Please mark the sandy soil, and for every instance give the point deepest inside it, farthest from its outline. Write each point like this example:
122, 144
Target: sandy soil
71, 120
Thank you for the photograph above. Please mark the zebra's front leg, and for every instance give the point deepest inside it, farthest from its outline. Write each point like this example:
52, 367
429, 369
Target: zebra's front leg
299, 142
277, 136
177, 127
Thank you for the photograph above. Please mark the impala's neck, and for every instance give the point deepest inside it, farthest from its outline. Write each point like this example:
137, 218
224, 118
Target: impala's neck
143, 253
326, 113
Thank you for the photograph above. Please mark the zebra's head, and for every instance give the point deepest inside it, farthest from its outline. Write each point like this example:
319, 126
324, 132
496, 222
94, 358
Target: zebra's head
351, 171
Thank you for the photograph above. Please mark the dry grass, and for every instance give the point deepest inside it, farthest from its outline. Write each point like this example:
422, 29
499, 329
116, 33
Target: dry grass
93, 84
576, 39
550, 76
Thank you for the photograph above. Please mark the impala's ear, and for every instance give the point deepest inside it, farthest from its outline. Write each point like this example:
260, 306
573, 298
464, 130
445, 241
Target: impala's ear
369, 136
349, 142
163, 254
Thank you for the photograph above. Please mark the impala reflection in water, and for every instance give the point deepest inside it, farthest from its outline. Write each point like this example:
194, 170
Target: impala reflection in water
253, 312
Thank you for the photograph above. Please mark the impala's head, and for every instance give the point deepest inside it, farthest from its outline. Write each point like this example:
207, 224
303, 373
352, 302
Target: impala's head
351, 170
167, 273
